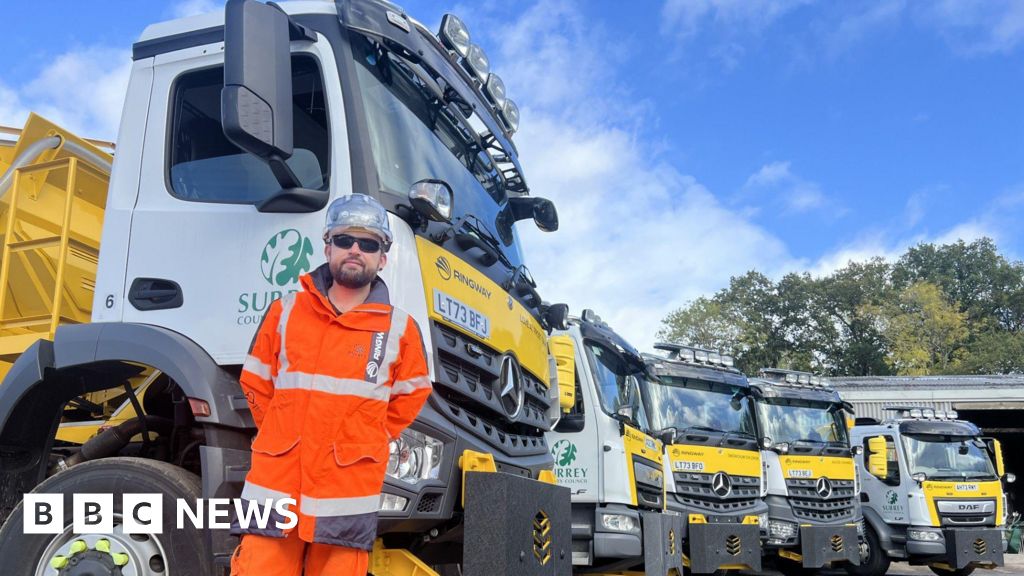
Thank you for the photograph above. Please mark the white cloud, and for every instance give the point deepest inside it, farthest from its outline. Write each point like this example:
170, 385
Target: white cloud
81, 90
638, 238
854, 26
977, 26
770, 174
726, 27
193, 7
796, 194
684, 17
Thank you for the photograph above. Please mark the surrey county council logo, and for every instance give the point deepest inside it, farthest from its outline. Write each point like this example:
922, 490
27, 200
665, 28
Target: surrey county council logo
891, 497
285, 257
564, 452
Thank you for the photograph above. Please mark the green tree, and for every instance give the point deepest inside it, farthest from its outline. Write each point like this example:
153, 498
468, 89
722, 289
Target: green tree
926, 333
995, 352
848, 339
703, 323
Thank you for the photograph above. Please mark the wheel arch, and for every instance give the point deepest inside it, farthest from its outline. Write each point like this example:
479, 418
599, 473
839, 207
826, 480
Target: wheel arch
84, 358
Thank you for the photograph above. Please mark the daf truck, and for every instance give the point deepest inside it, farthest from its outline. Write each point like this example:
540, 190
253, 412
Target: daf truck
139, 280
605, 454
701, 407
814, 516
933, 493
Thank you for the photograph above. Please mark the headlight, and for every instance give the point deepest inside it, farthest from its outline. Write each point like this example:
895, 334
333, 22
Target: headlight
762, 521
648, 475
414, 456
924, 535
781, 530
393, 503
618, 522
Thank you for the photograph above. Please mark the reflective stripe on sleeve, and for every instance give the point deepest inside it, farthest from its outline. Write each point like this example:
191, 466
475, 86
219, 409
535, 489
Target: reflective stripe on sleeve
255, 366
287, 303
399, 322
409, 386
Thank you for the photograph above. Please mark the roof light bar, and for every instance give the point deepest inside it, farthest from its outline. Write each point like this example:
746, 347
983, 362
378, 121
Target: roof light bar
495, 89
477, 62
454, 35
511, 114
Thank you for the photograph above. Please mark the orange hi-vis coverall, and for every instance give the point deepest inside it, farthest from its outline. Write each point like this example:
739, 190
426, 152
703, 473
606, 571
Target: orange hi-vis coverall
328, 392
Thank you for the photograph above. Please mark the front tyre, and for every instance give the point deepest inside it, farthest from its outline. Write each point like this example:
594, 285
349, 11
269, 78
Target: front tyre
173, 552
875, 562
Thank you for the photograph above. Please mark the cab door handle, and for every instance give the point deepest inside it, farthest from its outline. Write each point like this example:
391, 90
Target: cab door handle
155, 294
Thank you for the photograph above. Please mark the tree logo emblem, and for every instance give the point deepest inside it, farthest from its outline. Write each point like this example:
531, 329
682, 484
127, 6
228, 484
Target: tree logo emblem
564, 452
891, 497
285, 257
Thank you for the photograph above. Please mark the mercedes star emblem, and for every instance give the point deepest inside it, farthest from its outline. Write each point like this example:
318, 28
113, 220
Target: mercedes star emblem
823, 487
721, 484
510, 387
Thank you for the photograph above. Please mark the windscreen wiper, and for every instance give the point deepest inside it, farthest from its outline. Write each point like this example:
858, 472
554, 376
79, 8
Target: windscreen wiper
470, 233
700, 429
727, 435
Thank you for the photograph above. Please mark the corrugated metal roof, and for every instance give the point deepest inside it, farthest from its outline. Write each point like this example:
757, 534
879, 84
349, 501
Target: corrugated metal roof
985, 381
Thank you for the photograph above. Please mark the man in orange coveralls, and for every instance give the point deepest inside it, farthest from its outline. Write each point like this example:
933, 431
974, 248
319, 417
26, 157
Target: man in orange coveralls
335, 372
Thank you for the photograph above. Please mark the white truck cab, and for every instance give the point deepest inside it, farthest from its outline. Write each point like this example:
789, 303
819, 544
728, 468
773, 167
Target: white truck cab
814, 515
932, 492
605, 454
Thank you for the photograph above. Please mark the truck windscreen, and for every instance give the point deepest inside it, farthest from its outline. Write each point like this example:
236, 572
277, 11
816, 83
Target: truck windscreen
617, 382
686, 403
948, 457
415, 136
785, 420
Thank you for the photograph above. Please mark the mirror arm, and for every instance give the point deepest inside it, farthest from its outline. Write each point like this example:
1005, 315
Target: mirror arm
283, 172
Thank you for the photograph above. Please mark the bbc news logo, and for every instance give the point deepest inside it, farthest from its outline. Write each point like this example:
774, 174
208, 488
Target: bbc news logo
144, 513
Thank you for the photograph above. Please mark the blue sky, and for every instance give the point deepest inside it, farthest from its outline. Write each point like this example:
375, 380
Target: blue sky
684, 141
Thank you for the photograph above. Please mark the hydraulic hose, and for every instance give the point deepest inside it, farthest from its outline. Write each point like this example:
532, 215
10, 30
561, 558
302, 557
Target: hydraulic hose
112, 439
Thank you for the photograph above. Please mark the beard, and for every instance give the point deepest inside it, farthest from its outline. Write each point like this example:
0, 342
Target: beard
353, 278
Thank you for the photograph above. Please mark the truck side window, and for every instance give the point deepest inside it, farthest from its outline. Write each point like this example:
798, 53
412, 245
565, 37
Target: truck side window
892, 461
205, 167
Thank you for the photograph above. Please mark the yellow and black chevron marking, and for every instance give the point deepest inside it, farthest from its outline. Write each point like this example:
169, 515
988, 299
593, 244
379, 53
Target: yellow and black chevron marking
542, 538
837, 543
733, 545
980, 547
671, 542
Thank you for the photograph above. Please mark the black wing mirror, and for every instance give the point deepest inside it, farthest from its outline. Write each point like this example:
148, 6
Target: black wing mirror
541, 210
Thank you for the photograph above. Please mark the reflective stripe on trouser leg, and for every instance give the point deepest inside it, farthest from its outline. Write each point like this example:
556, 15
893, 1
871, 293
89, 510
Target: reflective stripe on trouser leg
348, 522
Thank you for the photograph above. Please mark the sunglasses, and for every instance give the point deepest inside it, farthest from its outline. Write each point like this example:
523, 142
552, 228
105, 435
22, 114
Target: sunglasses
367, 245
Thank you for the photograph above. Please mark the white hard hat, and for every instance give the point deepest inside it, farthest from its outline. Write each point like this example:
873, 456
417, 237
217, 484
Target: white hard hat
358, 211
